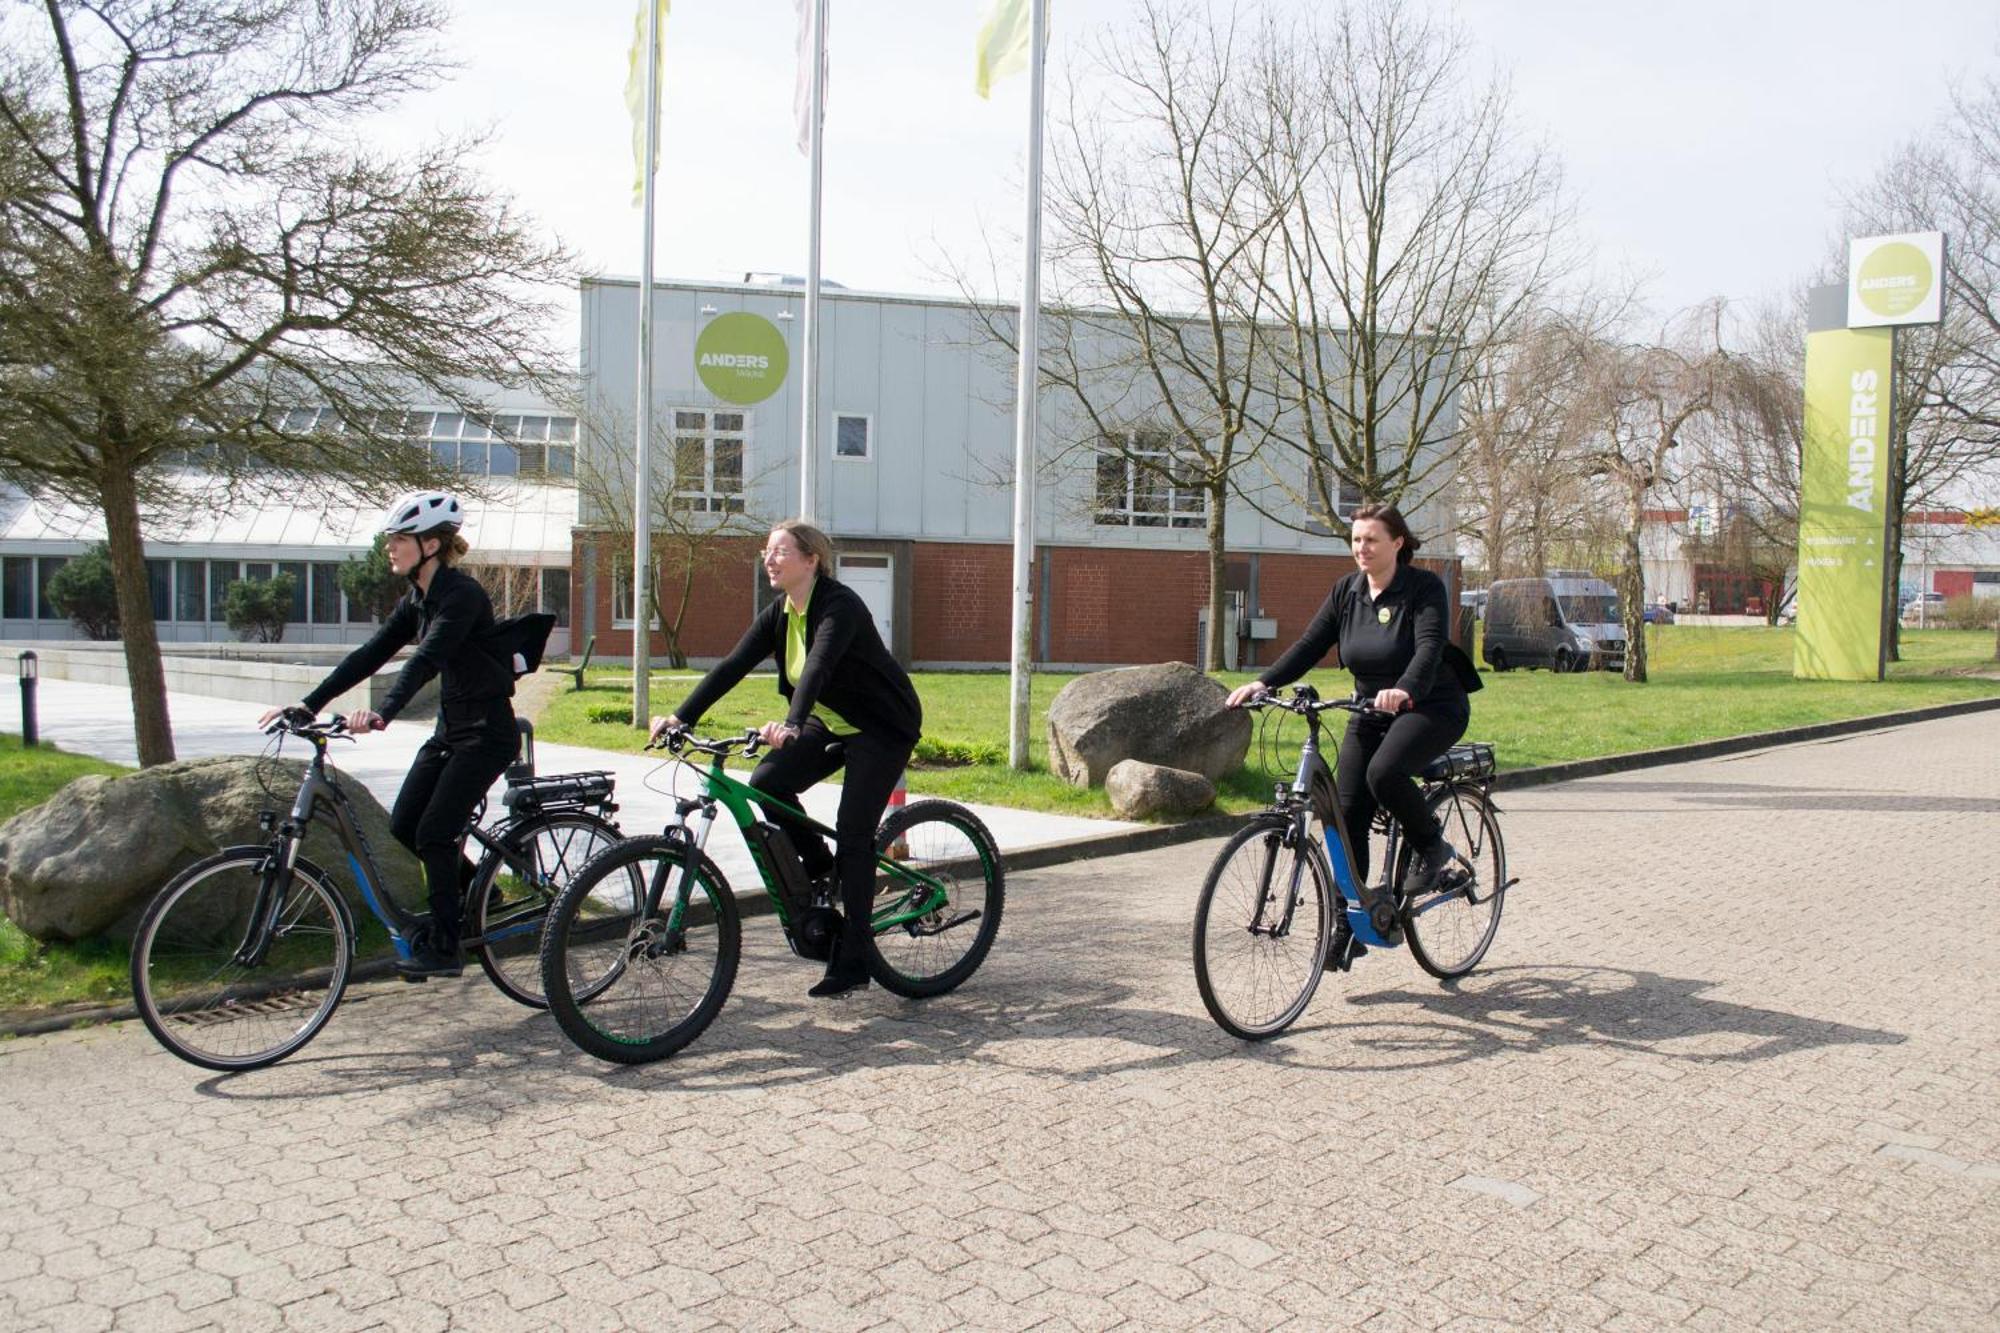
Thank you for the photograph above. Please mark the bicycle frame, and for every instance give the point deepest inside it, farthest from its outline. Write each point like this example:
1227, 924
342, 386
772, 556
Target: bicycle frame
925, 893
319, 791
1340, 857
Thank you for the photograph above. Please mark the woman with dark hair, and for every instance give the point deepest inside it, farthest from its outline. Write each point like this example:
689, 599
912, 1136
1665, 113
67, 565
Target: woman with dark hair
844, 687
449, 618
1390, 621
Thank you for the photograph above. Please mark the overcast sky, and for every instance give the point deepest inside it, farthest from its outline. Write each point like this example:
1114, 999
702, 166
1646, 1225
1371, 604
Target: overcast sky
1706, 144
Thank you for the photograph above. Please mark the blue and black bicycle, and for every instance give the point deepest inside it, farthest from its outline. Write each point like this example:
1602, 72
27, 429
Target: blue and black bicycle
1279, 908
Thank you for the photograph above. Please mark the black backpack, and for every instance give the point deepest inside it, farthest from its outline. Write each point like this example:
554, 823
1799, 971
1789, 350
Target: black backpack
518, 641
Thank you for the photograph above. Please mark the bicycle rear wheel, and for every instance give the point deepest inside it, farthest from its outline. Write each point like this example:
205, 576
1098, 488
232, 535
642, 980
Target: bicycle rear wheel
513, 904
627, 983
1449, 930
193, 986
1261, 929
935, 950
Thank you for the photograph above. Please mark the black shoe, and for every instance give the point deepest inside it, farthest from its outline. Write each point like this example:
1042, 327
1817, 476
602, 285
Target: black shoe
1345, 949
431, 958
842, 975
1430, 867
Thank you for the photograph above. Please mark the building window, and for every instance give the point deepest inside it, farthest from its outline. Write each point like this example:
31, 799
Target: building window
1143, 482
325, 594
298, 571
160, 588
221, 573
851, 436
621, 596
555, 595
17, 587
708, 462
190, 590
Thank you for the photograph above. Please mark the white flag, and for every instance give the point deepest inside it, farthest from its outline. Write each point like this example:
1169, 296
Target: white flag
1003, 43
802, 95
635, 92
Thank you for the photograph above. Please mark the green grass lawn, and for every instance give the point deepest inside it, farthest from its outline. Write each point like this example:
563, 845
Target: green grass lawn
31, 974
1706, 683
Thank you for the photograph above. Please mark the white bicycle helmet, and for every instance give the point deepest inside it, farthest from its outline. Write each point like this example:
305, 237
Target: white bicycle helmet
422, 511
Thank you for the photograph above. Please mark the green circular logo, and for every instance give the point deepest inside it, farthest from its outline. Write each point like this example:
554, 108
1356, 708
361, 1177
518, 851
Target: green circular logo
741, 357
1894, 279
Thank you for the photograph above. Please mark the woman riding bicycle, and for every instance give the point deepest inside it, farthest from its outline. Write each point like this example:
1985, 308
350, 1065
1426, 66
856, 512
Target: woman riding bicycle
1389, 620
844, 689
450, 619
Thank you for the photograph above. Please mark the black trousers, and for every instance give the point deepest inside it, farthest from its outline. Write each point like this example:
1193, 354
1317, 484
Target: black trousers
873, 765
1379, 761
453, 771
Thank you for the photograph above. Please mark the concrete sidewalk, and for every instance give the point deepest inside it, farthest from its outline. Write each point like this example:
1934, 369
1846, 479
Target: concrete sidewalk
97, 720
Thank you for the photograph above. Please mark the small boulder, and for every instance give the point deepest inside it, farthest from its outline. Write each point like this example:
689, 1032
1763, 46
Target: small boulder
1139, 789
87, 861
1167, 714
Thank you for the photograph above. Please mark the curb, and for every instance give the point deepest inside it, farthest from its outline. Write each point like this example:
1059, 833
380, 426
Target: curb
1126, 841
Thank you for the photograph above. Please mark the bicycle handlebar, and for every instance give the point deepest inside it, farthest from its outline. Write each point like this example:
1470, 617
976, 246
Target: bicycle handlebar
300, 722
677, 739
1305, 701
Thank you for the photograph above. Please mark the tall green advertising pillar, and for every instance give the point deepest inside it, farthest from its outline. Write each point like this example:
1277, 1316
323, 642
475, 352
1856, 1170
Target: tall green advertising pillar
1844, 505
1846, 554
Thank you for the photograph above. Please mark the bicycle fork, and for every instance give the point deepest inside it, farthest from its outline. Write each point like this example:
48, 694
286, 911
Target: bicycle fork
270, 903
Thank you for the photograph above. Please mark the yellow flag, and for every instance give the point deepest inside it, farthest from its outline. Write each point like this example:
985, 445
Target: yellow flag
1003, 43
635, 91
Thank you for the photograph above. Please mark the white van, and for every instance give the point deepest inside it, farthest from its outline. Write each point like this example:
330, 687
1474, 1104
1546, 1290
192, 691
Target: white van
1566, 622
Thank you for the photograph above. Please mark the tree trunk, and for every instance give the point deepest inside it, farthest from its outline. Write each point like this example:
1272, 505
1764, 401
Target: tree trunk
675, 656
151, 727
1217, 572
1632, 589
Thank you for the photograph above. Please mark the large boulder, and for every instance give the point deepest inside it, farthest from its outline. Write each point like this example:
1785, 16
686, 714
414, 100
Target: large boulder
1168, 714
1138, 789
88, 860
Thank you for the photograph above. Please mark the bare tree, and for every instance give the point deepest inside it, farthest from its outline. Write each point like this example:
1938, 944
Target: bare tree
1415, 232
1642, 399
1157, 235
691, 527
191, 252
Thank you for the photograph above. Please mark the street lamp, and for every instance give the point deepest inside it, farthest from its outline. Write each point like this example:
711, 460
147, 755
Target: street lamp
30, 669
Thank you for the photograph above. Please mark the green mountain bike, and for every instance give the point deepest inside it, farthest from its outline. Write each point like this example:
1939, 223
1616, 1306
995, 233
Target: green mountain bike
640, 949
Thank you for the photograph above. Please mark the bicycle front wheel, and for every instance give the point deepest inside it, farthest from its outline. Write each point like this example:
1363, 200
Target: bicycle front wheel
1451, 928
512, 901
218, 997
1261, 929
937, 916
640, 950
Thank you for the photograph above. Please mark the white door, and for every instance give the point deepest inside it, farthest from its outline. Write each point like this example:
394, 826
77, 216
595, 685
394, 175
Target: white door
873, 577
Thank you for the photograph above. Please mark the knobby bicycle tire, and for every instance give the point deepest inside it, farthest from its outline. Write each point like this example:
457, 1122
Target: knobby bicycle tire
606, 968
942, 839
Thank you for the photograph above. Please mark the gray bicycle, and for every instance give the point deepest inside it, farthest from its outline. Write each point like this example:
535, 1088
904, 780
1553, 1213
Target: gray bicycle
243, 957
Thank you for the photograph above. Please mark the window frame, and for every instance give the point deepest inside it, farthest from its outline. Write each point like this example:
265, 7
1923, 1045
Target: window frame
1173, 516
867, 420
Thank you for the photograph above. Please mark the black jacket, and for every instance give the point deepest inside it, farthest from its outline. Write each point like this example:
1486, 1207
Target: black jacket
451, 626
847, 667
1400, 640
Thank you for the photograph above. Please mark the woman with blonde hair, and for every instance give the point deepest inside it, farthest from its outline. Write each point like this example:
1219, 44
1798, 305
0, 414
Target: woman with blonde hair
850, 704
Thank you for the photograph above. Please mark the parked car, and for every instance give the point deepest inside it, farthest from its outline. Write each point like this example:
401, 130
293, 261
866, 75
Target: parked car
1565, 623
1657, 613
1924, 608
1473, 599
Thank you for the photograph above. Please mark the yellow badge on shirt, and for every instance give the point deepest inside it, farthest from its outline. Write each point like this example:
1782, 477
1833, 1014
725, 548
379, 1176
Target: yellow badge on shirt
1382, 616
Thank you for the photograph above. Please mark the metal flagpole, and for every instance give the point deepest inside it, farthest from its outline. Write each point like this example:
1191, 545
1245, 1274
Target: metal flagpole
642, 472
1025, 409
809, 429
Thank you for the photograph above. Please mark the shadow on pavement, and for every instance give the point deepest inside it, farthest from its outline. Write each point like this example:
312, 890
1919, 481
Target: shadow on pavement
1763, 796
1644, 1012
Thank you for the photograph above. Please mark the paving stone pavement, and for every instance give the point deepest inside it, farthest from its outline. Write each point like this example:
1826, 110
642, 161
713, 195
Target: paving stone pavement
1732, 1063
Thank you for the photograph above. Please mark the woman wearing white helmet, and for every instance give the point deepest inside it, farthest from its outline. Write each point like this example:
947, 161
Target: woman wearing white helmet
450, 619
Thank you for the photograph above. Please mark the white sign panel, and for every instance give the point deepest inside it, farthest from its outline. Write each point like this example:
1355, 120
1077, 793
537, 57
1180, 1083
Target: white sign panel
1895, 280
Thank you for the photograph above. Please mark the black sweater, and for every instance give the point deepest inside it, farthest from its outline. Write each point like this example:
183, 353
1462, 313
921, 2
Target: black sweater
847, 667
1395, 641
450, 625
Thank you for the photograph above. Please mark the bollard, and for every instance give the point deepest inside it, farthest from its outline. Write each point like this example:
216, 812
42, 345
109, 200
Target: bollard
31, 671
899, 849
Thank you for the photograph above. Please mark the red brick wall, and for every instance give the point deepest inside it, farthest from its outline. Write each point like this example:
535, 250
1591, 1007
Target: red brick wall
718, 608
1124, 605
961, 599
